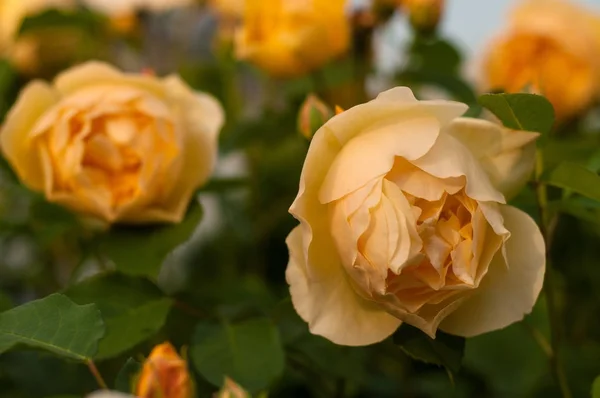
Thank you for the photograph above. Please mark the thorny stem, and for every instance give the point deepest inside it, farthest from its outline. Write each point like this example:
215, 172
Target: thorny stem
94, 370
549, 282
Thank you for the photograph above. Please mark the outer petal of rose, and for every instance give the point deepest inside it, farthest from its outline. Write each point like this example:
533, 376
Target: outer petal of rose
326, 300
508, 156
507, 293
202, 118
17, 145
108, 394
450, 158
390, 107
96, 73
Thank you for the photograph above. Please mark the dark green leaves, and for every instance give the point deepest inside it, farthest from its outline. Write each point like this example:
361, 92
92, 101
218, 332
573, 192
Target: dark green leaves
142, 250
575, 178
445, 350
53, 323
249, 352
127, 374
521, 111
133, 309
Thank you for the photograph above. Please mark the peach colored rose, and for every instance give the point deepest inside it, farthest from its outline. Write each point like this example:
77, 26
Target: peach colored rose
400, 222
551, 47
119, 147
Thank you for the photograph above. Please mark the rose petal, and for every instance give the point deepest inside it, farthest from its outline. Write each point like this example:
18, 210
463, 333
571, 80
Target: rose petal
505, 294
327, 301
36, 99
449, 158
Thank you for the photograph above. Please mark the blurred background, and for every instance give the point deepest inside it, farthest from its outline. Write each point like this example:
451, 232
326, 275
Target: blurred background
233, 267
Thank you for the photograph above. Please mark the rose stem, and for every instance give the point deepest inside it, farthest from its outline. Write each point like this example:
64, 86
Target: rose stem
94, 370
549, 285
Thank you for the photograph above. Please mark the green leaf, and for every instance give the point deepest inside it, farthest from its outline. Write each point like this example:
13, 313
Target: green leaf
141, 250
249, 352
575, 178
125, 379
134, 309
445, 350
53, 323
8, 77
529, 112
81, 19
596, 388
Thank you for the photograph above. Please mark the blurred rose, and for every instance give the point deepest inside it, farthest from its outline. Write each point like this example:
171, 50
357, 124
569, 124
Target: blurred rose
12, 14
229, 8
550, 47
401, 223
164, 374
290, 38
424, 15
120, 147
124, 7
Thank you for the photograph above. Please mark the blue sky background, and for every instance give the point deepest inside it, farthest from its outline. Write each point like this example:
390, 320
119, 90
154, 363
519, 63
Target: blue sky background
473, 22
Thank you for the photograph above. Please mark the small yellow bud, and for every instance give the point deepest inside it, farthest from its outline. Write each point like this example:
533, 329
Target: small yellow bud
313, 114
164, 375
338, 110
231, 390
424, 15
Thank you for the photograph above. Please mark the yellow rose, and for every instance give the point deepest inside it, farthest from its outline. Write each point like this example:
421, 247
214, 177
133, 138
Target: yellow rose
401, 223
164, 374
424, 15
290, 38
13, 12
120, 147
551, 47
228, 8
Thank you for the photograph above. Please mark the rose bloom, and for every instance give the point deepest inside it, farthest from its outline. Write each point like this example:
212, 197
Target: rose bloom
401, 222
291, 38
164, 374
12, 14
119, 147
551, 47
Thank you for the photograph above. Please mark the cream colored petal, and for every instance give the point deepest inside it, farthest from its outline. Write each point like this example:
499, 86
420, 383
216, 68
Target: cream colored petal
391, 108
420, 184
508, 156
202, 119
449, 158
506, 294
36, 99
94, 73
371, 155
108, 394
329, 304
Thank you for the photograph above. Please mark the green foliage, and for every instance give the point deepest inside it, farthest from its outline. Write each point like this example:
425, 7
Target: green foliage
140, 251
133, 309
249, 352
445, 350
55, 324
53, 18
528, 112
575, 178
126, 377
